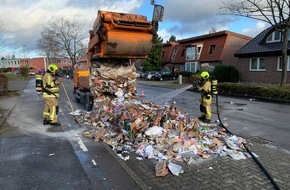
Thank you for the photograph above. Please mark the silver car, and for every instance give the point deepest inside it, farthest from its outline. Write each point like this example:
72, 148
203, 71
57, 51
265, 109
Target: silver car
150, 74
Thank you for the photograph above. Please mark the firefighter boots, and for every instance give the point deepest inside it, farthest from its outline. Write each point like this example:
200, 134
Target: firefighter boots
45, 121
55, 124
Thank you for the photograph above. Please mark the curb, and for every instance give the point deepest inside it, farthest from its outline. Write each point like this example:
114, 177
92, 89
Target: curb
129, 171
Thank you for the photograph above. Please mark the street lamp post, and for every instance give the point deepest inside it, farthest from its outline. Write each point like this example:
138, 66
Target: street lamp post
44, 61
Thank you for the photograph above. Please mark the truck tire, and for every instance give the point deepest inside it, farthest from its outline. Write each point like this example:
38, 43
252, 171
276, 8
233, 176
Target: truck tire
89, 103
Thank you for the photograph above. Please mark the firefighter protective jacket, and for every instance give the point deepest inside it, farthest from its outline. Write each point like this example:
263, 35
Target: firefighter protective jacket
205, 90
50, 86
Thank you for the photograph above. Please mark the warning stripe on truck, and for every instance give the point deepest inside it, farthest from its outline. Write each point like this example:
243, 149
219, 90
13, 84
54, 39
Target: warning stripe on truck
83, 73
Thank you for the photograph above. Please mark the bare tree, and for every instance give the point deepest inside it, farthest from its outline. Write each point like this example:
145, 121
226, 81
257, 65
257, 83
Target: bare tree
62, 37
274, 12
48, 45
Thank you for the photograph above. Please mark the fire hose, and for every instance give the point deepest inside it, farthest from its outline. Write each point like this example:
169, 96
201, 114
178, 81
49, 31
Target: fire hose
247, 149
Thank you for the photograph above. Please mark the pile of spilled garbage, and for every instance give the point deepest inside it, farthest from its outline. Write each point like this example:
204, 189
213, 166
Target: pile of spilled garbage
163, 132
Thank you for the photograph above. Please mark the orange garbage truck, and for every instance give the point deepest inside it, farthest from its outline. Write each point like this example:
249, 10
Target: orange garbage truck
116, 38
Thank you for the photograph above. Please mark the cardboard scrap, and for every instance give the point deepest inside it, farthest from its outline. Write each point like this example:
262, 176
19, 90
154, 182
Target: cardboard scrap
161, 168
121, 119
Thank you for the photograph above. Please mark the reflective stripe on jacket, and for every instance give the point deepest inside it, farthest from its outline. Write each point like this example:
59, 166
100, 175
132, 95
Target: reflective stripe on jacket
50, 89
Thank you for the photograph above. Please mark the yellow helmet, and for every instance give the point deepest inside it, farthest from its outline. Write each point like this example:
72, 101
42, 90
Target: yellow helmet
204, 75
52, 68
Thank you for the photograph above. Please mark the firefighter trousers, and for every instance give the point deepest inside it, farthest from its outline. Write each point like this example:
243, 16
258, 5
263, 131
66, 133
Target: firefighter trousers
205, 108
50, 111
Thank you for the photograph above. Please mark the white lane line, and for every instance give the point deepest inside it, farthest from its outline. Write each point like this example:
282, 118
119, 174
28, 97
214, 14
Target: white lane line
82, 145
94, 162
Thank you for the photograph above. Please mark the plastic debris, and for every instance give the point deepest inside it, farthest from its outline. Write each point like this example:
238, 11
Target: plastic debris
175, 169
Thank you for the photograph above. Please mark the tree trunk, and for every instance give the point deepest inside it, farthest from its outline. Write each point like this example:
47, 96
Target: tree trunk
284, 58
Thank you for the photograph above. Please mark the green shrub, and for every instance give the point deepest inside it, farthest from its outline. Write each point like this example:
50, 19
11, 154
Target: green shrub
4, 70
185, 73
259, 90
226, 73
24, 71
3, 84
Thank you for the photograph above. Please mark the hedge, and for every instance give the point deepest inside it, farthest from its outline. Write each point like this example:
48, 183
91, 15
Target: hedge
253, 89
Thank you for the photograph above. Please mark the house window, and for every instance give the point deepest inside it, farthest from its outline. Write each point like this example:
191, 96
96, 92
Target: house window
279, 65
190, 53
199, 48
257, 64
191, 67
274, 37
163, 53
174, 53
211, 49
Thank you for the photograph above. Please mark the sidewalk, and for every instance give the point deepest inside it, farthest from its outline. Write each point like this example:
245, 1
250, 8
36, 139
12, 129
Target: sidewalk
7, 103
214, 173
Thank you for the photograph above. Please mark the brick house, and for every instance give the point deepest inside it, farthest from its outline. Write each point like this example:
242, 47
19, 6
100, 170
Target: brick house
11, 64
260, 59
40, 63
214, 49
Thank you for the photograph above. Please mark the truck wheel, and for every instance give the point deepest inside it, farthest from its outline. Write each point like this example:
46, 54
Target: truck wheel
89, 103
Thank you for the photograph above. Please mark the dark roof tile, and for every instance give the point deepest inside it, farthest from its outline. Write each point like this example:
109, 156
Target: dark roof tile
258, 45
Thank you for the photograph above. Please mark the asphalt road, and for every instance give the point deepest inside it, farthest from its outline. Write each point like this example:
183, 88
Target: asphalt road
64, 159
246, 117
33, 156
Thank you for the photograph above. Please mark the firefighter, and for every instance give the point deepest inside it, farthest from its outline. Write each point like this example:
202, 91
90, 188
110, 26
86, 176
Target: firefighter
50, 93
204, 86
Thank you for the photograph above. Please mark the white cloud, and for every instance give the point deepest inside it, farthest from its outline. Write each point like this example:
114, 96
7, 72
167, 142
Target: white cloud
194, 17
260, 26
23, 20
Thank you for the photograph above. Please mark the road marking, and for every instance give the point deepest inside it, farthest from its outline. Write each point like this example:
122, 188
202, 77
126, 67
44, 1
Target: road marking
94, 162
82, 145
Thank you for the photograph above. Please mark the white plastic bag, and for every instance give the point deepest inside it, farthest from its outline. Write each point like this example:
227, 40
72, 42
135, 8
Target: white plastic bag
175, 169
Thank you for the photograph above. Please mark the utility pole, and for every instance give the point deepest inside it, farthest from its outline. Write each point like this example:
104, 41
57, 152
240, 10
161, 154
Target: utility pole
44, 61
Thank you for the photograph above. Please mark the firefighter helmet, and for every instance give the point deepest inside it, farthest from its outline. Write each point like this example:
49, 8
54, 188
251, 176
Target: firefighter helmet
204, 75
52, 68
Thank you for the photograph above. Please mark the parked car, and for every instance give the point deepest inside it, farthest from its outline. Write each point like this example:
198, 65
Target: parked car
163, 75
138, 74
143, 76
31, 73
148, 75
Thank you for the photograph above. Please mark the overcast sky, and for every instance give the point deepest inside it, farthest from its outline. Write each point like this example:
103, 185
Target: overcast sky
21, 21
